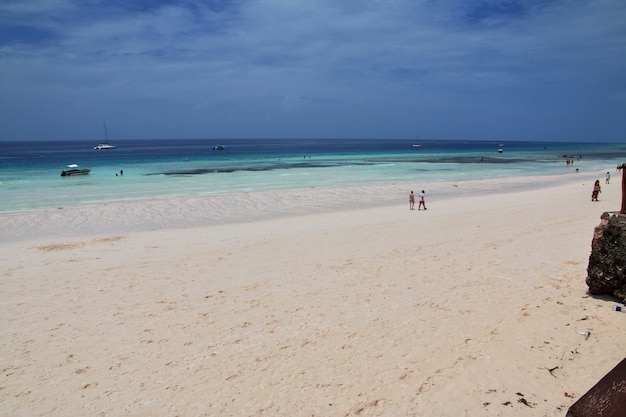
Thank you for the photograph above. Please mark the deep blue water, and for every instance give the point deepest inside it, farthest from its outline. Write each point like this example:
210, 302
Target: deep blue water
30, 171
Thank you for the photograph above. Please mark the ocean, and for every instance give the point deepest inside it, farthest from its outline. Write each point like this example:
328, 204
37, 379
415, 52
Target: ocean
30, 171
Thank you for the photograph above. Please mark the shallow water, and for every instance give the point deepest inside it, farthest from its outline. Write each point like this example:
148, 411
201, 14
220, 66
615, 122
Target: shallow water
30, 171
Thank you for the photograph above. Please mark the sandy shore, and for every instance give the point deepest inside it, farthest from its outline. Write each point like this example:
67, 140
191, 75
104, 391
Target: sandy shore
314, 303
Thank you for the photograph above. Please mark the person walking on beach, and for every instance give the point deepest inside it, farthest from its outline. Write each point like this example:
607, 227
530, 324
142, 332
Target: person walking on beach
421, 201
596, 190
411, 201
608, 177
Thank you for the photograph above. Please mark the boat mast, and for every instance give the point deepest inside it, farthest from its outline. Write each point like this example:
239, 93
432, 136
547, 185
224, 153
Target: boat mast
106, 134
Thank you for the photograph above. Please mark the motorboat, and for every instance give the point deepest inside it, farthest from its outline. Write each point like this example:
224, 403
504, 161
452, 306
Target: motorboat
218, 148
73, 169
105, 144
417, 146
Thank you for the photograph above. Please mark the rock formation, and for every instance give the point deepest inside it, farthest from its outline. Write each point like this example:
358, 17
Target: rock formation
607, 263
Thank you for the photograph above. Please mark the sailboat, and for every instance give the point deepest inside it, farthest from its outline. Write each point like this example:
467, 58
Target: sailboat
417, 145
105, 144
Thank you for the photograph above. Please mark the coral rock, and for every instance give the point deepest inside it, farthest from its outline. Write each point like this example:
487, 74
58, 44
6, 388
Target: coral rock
605, 272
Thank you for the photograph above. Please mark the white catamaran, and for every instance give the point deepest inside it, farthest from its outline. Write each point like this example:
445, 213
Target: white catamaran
105, 144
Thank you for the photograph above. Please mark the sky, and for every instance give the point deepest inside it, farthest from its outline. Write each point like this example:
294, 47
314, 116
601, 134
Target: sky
546, 70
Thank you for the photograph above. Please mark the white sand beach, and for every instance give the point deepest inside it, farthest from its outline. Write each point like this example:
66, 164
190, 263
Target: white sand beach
318, 302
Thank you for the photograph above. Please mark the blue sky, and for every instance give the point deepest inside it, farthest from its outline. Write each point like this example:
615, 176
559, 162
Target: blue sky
440, 69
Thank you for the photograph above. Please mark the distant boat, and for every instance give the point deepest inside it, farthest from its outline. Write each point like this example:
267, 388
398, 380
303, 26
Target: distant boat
500, 150
417, 145
218, 148
105, 144
74, 170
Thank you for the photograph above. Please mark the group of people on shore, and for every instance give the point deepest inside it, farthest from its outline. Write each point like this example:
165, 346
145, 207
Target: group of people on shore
420, 197
597, 189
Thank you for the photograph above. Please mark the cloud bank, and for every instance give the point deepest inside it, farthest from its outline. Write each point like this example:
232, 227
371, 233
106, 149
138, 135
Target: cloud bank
448, 69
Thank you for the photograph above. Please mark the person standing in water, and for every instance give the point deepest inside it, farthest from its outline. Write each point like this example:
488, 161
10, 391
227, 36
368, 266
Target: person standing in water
411, 201
421, 200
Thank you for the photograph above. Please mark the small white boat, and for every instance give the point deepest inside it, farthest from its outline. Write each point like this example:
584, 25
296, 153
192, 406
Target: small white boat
218, 148
417, 145
74, 170
500, 150
105, 144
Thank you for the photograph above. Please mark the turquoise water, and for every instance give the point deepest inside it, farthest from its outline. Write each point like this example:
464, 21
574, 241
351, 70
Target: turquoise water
30, 171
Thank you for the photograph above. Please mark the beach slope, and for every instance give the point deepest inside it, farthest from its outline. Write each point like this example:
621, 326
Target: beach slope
477, 306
